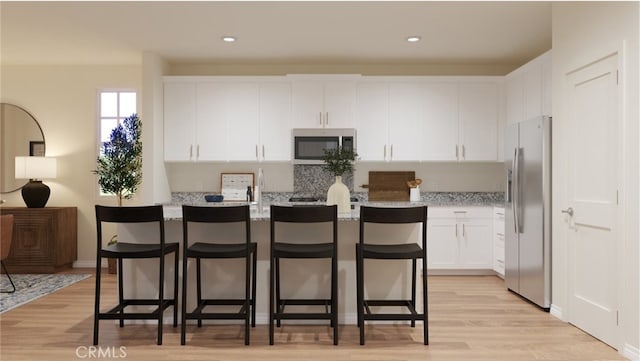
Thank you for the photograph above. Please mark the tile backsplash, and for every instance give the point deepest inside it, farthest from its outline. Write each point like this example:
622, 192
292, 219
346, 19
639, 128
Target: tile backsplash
313, 180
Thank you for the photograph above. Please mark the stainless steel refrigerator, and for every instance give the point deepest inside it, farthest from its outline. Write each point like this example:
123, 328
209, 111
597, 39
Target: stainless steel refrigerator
527, 159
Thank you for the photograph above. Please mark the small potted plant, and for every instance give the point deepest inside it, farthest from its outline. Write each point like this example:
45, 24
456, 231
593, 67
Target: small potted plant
338, 162
119, 167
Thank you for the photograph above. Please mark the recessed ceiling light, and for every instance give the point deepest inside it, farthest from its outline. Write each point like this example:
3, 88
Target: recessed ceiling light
413, 39
229, 39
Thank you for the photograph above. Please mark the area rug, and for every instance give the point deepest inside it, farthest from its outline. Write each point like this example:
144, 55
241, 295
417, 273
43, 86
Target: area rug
30, 287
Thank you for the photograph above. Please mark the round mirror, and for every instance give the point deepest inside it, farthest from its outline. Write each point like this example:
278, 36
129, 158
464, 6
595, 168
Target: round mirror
20, 135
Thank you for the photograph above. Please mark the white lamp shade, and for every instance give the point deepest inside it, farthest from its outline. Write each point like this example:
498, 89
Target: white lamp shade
36, 167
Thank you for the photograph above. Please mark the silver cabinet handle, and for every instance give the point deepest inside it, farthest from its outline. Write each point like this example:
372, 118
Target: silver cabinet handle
257, 153
568, 211
384, 156
326, 118
197, 151
263, 152
320, 117
464, 153
191, 151
391, 155
457, 156
456, 230
464, 231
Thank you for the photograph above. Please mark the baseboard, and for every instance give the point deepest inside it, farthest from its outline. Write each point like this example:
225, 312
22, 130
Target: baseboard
461, 272
88, 264
631, 352
556, 311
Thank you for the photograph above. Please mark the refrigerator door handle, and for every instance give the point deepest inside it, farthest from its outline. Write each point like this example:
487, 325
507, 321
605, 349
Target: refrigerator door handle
516, 189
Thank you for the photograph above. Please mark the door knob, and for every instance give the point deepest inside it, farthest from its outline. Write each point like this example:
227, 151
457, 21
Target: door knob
568, 211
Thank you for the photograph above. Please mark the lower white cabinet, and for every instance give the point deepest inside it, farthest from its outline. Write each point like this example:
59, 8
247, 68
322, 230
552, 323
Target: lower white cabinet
498, 240
460, 238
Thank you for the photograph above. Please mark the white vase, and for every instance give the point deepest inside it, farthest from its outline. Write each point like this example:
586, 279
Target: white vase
339, 194
414, 194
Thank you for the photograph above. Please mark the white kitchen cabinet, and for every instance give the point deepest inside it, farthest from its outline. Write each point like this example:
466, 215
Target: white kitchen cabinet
406, 118
478, 134
440, 131
389, 121
179, 121
321, 103
460, 238
528, 90
372, 120
212, 111
498, 241
275, 122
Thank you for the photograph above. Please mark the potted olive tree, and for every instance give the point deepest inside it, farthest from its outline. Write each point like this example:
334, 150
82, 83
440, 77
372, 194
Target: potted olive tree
338, 162
119, 166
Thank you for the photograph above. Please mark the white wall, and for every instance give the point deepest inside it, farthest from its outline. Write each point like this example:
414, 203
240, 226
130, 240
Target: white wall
582, 33
64, 100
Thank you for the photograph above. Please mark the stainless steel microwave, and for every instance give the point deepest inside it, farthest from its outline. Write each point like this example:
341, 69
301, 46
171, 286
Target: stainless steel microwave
309, 143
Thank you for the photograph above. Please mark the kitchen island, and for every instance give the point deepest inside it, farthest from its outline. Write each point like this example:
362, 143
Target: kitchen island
300, 279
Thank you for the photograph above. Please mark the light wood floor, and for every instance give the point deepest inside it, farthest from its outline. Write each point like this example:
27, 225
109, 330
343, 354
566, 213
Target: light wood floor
471, 318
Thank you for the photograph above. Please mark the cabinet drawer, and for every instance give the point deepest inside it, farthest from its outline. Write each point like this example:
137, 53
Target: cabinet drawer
460, 212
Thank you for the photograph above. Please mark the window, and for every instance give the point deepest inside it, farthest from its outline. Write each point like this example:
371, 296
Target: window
114, 107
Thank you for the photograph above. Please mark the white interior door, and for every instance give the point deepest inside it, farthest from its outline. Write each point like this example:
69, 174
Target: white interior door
593, 158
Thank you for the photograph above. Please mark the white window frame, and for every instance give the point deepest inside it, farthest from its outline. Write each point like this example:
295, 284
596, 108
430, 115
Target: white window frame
118, 119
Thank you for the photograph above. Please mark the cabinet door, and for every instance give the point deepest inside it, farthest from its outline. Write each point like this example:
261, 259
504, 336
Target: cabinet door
339, 104
440, 131
372, 113
308, 104
242, 115
211, 127
479, 122
406, 116
275, 122
442, 244
514, 93
532, 91
179, 121
476, 243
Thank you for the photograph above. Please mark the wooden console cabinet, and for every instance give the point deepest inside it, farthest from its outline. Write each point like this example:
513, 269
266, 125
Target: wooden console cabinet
45, 240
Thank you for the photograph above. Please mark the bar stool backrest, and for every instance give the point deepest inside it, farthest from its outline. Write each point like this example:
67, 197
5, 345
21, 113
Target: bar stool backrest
137, 214
396, 215
220, 214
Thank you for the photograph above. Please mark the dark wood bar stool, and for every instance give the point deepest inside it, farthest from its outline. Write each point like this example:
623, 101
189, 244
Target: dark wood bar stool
301, 250
199, 250
123, 250
392, 251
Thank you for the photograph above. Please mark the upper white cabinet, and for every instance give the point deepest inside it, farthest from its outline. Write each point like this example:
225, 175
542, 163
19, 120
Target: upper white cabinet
179, 121
372, 120
478, 121
441, 128
427, 120
227, 119
528, 90
319, 102
275, 122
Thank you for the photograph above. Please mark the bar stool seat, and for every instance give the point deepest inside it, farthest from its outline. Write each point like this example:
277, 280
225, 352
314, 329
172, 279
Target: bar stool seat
391, 251
296, 250
152, 215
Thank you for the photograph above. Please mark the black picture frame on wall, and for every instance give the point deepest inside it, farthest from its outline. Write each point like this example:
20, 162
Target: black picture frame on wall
36, 148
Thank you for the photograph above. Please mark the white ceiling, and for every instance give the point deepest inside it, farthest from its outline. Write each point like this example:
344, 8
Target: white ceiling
499, 33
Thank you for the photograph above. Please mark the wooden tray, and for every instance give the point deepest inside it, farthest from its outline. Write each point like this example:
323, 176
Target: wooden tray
389, 186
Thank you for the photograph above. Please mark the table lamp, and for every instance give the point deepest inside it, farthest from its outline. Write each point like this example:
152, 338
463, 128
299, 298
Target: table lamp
35, 193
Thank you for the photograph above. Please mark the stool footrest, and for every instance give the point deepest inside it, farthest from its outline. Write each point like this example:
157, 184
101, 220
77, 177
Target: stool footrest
281, 315
199, 314
117, 312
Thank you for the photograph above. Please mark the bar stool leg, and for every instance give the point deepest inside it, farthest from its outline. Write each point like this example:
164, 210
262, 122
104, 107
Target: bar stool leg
120, 292
360, 290
96, 310
160, 298
198, 288
175, 289
334, 296
271, 298
413, 289
425, 303
253, 290
183, 325
278, 301
247, 295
